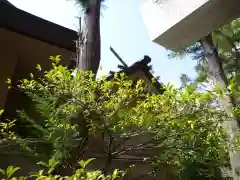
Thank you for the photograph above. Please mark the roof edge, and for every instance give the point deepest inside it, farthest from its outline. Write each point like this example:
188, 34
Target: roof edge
19, 21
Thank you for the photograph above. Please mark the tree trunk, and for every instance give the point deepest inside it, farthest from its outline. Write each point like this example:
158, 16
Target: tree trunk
88, 48
216, 72
88, 59
89, 44
214, 61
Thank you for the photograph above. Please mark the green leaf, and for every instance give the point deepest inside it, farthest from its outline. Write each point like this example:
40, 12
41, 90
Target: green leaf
81, 163
43, 164
57, 59
37, 174
2, 172
115, 174
227, 32
101, 177
9, 81
22, 178
39, 68
1, 112
153, 80
31, 75
86, 163
52, 163
11, 170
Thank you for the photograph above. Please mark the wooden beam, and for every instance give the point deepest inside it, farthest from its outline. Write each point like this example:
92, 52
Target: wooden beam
117, 56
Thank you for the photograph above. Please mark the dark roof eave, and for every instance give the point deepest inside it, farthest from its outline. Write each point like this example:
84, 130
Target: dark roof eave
7, 2
19, 21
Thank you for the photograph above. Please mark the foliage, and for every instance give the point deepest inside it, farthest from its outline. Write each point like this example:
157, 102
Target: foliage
123, 118
85, 3
227, 41
224, 64
47, 173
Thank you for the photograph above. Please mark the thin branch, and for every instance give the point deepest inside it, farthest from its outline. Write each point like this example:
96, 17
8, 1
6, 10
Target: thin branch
126, 138
139, 146
136, 160
109, 154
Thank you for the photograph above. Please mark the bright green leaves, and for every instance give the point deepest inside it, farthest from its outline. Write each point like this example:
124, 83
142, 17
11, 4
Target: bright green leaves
55, 59
205, 98
9, 172
39, 68
94, 175
181, 122
9, 83
6, 130
1, 111
7, 126
81, 173
51, 165
31, 75
84, 164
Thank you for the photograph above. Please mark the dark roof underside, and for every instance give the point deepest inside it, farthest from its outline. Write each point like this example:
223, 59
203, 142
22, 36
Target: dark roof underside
19, 21
7, 2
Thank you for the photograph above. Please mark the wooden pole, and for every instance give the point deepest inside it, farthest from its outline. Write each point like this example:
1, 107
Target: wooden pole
117, 56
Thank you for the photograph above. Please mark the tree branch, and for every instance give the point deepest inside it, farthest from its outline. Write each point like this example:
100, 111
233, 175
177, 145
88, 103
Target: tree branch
139, 146
109, 154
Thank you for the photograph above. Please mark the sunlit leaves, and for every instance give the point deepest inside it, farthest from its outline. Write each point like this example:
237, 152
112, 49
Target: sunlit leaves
81, 173
181, 121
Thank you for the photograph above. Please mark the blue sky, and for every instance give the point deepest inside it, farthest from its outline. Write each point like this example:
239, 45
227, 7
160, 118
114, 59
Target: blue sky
122, 27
